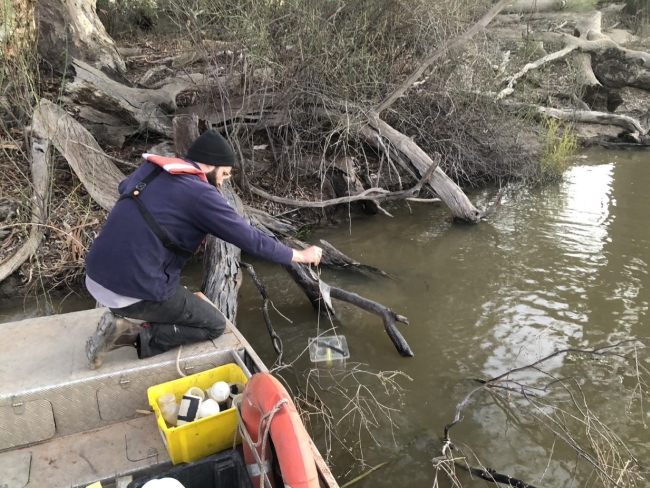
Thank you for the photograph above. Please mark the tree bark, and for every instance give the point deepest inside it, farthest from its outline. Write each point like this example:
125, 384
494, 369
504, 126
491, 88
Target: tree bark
186, 131
70, 29
222, 276
18, 28
97, 172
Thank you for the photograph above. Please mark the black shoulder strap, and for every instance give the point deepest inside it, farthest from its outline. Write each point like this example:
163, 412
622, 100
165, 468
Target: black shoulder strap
149, 219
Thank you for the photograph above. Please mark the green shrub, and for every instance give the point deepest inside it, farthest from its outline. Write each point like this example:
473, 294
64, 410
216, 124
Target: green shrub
558, 148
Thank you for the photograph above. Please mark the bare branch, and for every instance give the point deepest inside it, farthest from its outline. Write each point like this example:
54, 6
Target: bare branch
441, 51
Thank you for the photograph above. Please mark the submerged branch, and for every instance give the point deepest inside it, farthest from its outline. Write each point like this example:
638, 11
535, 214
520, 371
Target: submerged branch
319, 294
601, 351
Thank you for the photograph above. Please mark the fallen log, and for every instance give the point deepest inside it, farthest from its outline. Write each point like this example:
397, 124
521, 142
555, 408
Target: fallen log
460, 206
589, 117
97, 172
134, 109
613, 65
39, 139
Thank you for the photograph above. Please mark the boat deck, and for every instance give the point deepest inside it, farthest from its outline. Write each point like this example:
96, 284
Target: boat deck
65, 425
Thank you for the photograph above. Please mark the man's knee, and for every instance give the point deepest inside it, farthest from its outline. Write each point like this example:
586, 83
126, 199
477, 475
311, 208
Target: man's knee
216, 331
216, 327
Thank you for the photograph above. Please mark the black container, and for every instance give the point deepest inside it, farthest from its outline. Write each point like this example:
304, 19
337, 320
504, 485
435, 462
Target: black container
223, 470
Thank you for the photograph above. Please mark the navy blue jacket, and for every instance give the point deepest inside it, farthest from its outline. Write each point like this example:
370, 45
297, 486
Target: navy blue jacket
128, 259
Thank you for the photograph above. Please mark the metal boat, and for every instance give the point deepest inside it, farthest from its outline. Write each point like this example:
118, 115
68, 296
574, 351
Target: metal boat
65, 425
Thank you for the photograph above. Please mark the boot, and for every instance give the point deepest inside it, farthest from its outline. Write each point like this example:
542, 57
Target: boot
112, 333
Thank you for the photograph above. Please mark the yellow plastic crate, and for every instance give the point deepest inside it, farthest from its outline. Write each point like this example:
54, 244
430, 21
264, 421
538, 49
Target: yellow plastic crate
202, 437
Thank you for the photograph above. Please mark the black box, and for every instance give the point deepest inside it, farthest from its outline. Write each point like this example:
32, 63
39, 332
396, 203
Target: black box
223, 470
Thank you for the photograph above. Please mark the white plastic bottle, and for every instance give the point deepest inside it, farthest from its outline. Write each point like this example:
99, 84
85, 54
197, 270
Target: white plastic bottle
168, 408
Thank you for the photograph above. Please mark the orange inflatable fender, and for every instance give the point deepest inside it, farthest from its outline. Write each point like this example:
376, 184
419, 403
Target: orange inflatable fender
292, 444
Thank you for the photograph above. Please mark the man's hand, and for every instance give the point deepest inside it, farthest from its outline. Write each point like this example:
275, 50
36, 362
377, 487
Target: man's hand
310, 255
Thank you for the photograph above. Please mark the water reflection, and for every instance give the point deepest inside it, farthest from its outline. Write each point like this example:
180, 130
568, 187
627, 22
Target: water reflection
537, 308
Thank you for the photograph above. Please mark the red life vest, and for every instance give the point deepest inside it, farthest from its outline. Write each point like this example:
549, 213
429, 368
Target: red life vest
175, 166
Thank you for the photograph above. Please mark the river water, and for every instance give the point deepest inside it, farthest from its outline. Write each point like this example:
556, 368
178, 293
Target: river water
565, 265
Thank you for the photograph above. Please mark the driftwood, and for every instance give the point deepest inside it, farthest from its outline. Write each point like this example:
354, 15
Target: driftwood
460, 206
96, 171
71, 29
590, 117
125, 109
40, 166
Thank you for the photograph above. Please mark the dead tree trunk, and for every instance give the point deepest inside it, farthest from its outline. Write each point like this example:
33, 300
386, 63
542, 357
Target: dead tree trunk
71, 29
460, 206
186, 130
222, 276
115, 110
593, 93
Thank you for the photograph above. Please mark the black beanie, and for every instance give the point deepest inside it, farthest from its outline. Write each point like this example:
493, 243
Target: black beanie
212, 149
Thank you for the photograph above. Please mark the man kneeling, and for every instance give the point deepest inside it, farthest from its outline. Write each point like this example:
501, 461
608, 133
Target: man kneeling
166, 208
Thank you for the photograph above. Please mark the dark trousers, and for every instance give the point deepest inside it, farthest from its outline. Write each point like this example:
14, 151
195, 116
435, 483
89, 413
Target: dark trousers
182, 319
